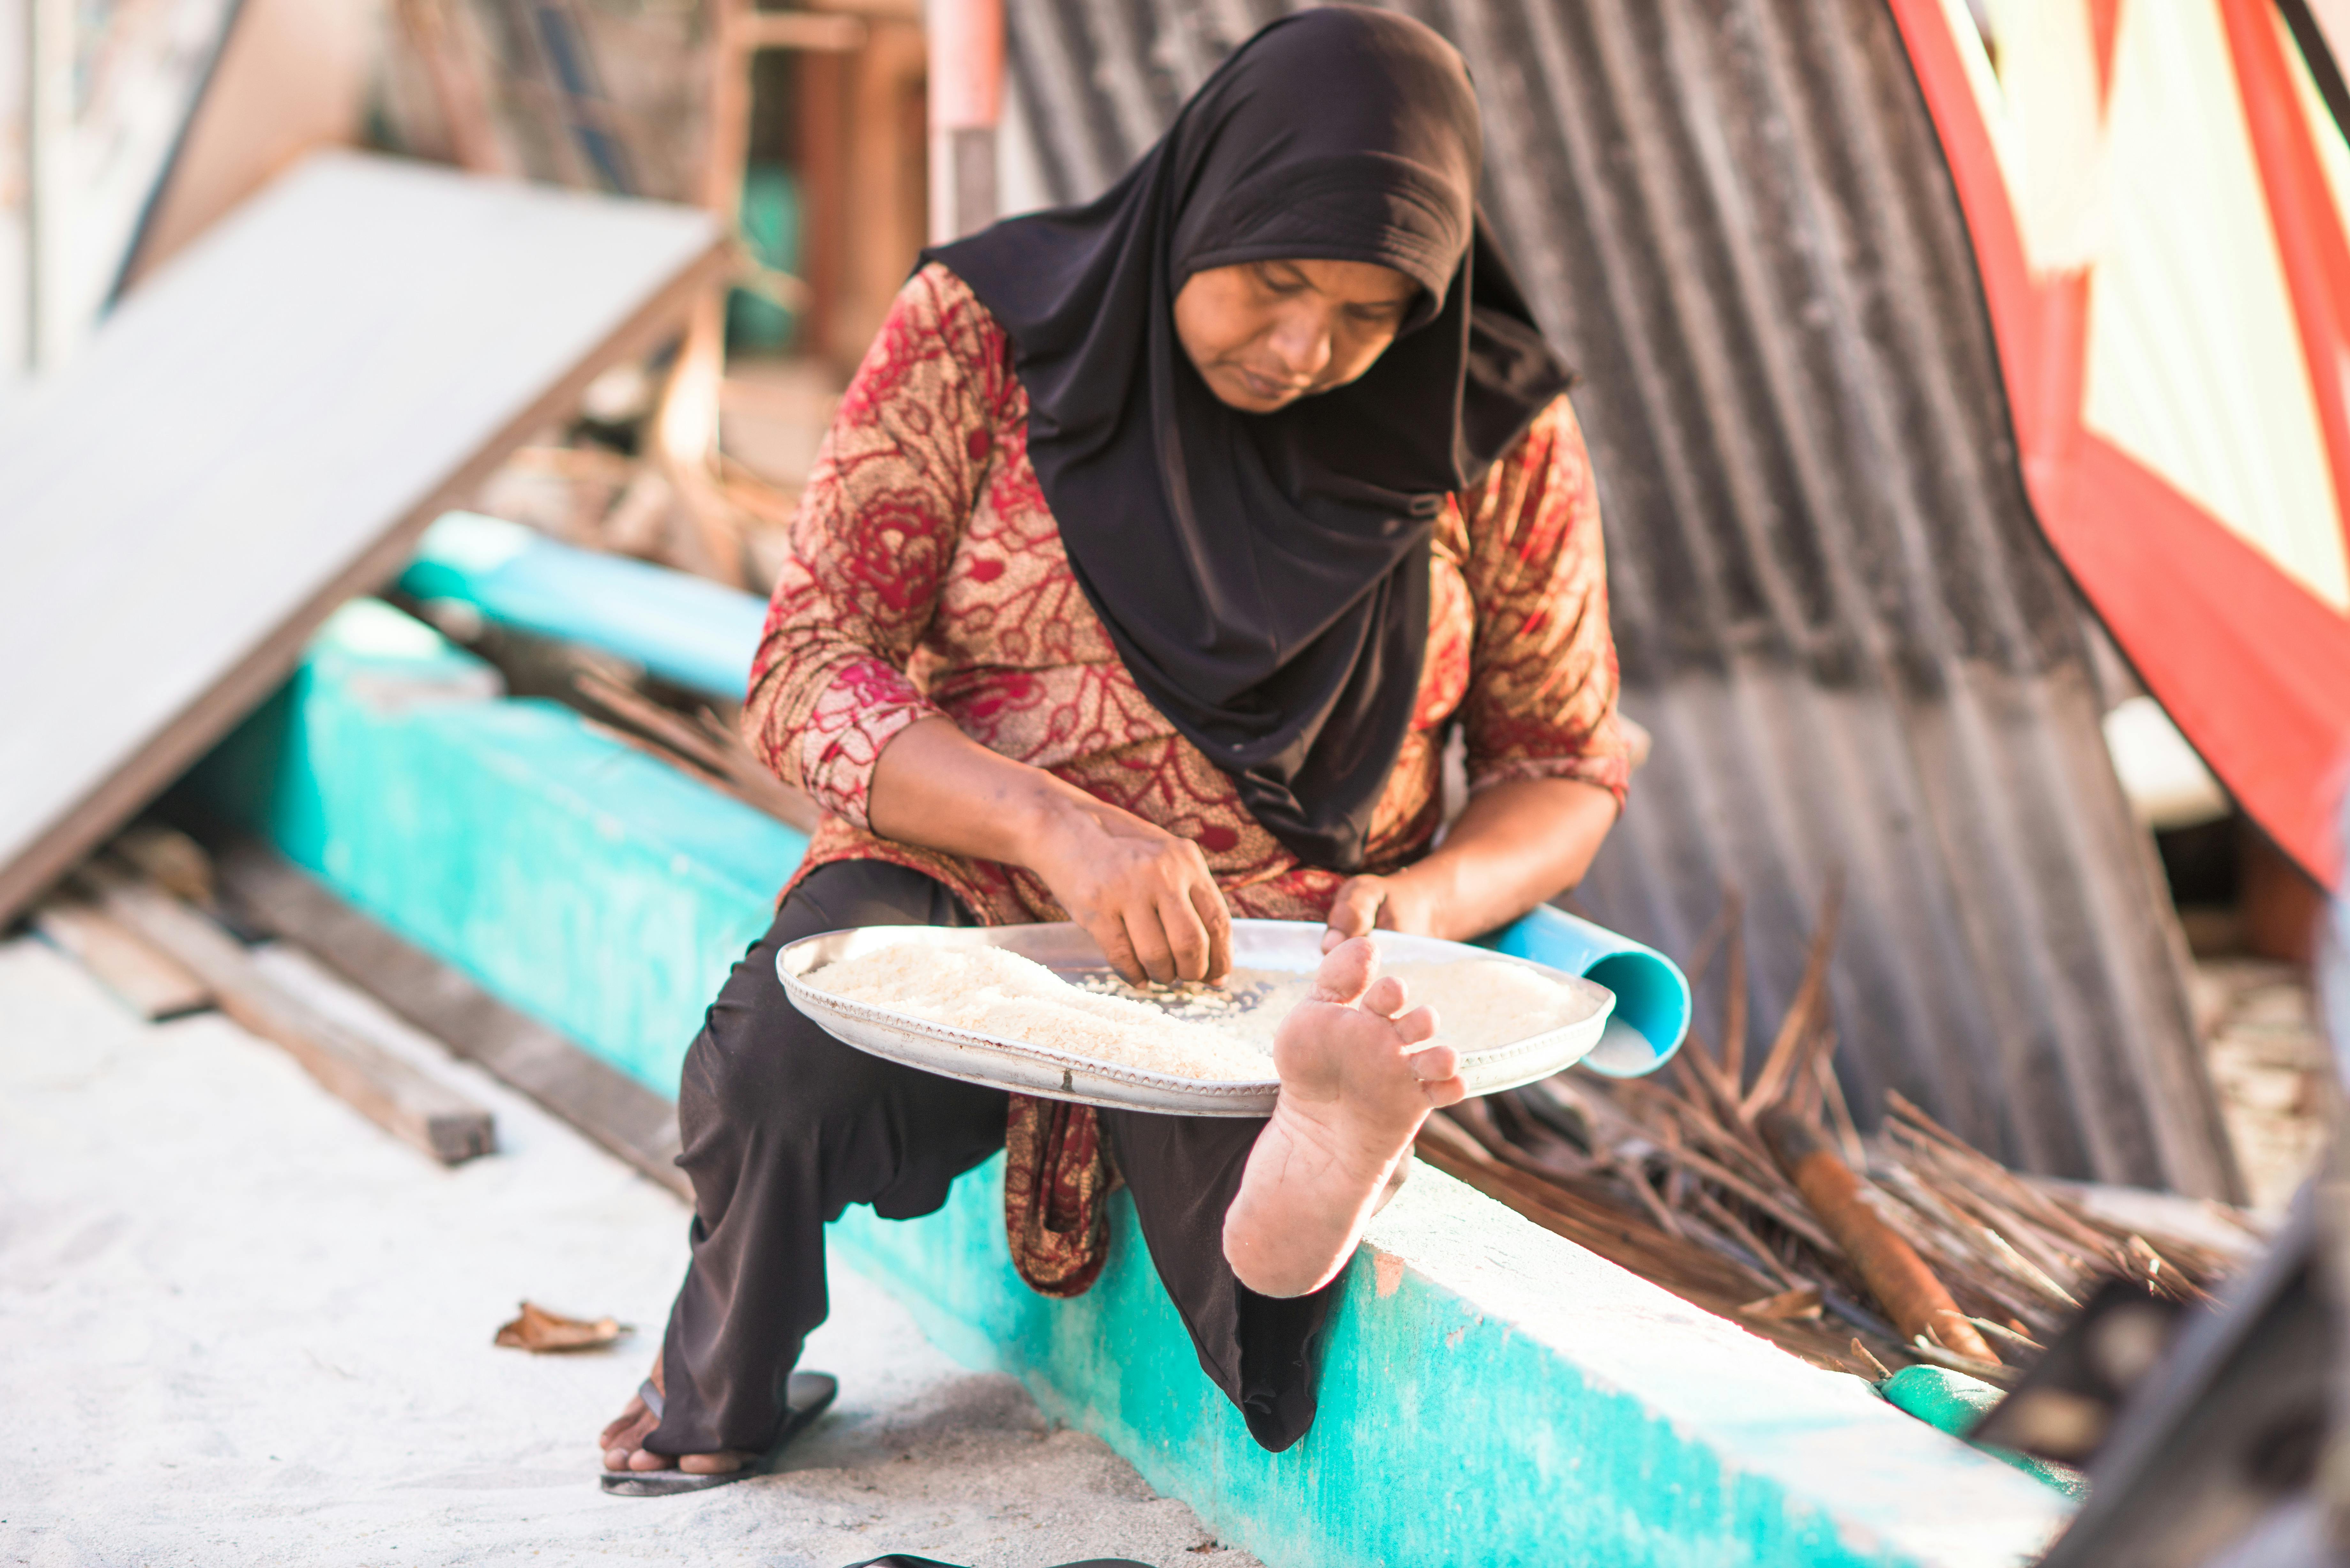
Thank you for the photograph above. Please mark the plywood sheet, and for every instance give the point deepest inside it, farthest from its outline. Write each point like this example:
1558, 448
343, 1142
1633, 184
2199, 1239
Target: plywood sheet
260, 431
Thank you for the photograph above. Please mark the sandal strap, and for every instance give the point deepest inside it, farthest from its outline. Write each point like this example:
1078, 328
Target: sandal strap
652, 1397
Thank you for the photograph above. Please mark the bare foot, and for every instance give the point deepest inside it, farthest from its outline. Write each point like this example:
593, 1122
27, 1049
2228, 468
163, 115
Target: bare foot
1357, 1079
623, 1443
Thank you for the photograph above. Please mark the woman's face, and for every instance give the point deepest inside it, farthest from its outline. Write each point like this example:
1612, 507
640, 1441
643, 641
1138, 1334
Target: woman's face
1264, 334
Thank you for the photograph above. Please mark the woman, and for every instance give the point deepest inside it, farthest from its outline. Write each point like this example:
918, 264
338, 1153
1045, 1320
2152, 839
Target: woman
1154, 549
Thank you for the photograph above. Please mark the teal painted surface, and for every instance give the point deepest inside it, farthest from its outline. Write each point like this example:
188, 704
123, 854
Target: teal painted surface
680, 627
1446, 1434
770, 226
590, 885
1953, 1402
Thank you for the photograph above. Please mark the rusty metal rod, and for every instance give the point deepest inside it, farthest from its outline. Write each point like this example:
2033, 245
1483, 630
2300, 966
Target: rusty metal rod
1898, 1278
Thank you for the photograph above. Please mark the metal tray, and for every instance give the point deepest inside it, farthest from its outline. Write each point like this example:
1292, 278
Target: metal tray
1291, 946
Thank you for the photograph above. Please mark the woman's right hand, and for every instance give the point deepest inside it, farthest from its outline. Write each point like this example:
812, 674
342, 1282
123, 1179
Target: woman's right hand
1144, 894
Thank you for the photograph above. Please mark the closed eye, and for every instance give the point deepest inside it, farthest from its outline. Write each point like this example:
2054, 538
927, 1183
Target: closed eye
1287, 280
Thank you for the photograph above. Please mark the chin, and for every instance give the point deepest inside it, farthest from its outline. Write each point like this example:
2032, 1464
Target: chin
1238, 396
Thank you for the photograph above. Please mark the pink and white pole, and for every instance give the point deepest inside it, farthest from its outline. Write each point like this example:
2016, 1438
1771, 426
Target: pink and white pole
966, 86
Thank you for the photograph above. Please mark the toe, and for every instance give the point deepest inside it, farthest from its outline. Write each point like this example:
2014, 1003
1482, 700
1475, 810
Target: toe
719, 1464
616, 1430
621, 1447
646, 1460
1347, 971
1435, 1064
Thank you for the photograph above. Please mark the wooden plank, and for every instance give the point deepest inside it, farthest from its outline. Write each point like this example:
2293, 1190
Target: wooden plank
260, 432
623, 1115
150, 982
388, 1091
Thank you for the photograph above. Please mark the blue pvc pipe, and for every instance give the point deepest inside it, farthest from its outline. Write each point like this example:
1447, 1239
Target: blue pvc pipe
1652, 995
682, 628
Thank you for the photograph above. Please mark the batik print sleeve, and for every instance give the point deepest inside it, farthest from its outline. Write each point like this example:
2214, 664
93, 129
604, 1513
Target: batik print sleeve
873, 541
1542, 685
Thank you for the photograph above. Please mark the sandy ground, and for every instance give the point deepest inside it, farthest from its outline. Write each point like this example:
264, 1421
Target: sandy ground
240, 1326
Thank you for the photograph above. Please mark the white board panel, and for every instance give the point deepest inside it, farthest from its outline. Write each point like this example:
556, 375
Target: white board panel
258, 431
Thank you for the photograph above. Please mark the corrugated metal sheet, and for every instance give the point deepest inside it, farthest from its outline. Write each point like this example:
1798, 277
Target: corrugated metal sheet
1832, 605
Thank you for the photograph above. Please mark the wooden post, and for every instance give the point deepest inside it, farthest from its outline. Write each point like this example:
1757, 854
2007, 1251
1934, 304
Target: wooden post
886, 144
966, 67
465, 114
686, 427
599, 1099
388, 1091
147, 980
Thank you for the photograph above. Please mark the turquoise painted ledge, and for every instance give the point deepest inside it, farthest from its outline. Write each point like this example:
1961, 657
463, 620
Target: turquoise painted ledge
599, 890
1491, 1395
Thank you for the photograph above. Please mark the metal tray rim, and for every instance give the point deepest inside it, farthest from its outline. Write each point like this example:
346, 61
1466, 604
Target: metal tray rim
1487, 1071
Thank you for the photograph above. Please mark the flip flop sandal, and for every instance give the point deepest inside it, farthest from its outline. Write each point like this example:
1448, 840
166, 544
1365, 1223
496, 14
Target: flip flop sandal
805, 1398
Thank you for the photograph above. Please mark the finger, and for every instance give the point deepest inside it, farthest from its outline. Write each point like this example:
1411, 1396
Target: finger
1148, 939
1387, 997
1217, 919
1187, 937
1111, 936
1353, 911
1418, 1025
1355, 908
1435, 1064
1347, 971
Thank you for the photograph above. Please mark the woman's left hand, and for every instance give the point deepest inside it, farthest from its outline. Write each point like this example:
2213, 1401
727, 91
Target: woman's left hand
1515, 845
1385, 903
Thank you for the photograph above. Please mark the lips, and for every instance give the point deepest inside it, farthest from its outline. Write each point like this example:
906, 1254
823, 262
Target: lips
1269, 390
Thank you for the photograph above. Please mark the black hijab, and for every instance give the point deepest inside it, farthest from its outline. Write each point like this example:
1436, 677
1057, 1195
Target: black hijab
1265, 577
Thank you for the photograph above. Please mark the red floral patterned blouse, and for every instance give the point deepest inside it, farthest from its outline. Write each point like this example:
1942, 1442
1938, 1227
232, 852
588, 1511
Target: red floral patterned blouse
926, 577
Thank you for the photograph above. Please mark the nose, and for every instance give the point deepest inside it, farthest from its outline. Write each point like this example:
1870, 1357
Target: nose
1301, 341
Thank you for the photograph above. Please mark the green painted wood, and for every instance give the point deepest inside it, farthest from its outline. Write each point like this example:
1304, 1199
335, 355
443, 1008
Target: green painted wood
1491, 1395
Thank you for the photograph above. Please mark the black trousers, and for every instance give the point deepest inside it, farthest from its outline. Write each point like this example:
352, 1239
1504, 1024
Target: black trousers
783, 1128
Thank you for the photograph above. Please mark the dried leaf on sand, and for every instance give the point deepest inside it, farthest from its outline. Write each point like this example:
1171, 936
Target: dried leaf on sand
542, 1332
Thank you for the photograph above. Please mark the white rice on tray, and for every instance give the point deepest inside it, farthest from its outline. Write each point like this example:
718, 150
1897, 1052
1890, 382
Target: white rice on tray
992, 992
1221, 1034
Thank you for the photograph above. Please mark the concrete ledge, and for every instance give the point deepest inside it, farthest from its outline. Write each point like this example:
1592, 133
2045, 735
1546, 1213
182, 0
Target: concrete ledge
1491, 1394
